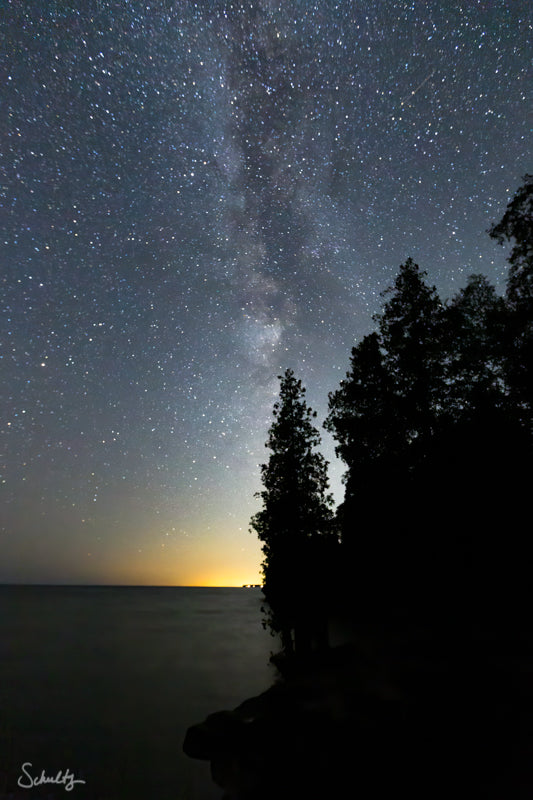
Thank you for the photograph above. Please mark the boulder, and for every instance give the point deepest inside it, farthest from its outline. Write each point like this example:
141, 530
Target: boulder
414, 720
220, 732
299, 737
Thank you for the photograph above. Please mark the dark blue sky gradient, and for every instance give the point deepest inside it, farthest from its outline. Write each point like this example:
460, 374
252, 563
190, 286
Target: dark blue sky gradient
195, 196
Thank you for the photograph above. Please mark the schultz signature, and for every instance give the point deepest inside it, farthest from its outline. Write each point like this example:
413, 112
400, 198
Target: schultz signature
67, 778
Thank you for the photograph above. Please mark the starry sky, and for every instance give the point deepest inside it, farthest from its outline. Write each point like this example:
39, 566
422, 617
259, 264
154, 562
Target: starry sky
196, 196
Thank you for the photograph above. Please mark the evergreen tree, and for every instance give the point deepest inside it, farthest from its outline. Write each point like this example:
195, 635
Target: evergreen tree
385, 418
433, 422
513, 563
474, 360
364, 421
362, 415
295, 522
516, 226
411, 334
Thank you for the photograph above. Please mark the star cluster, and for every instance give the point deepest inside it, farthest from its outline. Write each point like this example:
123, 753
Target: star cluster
195, 196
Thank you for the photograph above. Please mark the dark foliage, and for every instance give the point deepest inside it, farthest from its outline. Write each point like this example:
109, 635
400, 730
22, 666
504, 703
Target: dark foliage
296, 522
516, 226
433, 423
474, 355
411, 337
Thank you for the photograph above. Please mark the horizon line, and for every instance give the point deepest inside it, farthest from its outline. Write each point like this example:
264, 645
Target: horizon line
137, 585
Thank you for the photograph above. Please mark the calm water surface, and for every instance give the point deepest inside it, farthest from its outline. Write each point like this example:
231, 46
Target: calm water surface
105, 681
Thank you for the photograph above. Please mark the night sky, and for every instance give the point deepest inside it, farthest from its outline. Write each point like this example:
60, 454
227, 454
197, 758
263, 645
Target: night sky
196, 196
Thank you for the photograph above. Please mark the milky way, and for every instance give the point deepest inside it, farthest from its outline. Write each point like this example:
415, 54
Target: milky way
196, 196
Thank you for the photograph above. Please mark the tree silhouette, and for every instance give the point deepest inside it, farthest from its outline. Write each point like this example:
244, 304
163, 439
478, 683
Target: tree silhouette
513, 563
384, 419
474, 355
295, 523
433, 422
411, 336
364, 420
516, 226
362, 415
419, 421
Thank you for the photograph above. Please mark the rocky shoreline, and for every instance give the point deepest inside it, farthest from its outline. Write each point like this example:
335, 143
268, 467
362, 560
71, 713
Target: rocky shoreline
359, 721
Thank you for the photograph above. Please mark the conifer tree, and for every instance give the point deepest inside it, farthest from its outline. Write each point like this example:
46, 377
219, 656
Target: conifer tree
385, 420
361, 411
295, 522
516, 226
474, 357
363, 420
513, 564
411, 335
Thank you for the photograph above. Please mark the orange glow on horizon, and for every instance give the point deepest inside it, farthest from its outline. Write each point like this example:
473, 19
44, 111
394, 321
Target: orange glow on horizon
60, 559
193, 571
211, 579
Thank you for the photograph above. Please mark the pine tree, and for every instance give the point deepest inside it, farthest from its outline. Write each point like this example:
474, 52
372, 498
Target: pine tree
295, 523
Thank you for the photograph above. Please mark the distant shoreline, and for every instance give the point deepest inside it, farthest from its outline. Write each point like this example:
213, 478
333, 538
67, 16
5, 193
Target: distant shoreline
121, 586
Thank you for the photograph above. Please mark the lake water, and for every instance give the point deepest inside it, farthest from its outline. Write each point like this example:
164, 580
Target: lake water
105, 681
